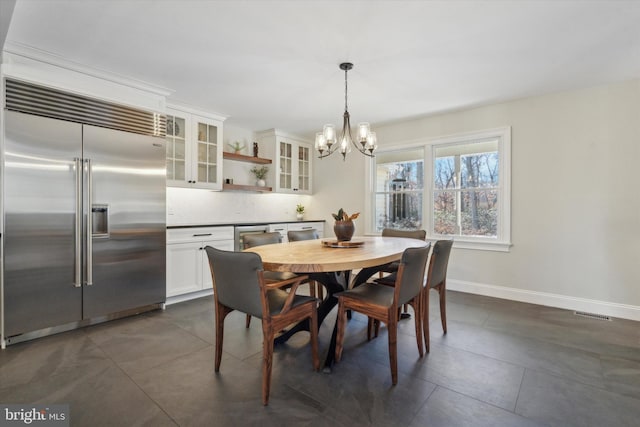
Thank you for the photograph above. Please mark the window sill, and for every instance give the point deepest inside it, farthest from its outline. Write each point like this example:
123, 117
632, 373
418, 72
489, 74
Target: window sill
484, 245
460, 243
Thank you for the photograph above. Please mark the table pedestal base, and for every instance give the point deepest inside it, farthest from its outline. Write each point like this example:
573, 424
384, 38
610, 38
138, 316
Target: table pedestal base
333, 283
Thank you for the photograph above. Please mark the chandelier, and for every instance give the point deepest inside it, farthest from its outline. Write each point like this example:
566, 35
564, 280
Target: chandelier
326, 141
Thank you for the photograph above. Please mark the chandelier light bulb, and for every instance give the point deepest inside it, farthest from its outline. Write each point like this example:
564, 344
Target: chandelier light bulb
329, 133
372, 142
363, 132
321, 142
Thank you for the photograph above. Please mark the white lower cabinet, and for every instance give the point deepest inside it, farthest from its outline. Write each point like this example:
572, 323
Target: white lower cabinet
187, 263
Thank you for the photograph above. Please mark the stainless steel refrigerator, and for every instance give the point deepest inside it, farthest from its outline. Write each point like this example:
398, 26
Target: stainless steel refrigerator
84, 215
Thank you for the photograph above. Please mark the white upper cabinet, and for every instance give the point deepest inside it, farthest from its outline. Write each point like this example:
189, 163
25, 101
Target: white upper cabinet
194, 150
292, 158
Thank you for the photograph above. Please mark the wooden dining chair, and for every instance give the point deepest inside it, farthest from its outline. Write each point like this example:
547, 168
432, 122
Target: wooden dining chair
437, 279
239, 284
315, 288
381, 303
259, 239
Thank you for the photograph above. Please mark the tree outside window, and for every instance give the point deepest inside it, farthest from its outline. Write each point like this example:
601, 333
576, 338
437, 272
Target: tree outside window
399, 190
466, 186
454, 187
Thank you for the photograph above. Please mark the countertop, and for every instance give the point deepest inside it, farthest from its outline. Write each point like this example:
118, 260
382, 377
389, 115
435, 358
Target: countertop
222, 224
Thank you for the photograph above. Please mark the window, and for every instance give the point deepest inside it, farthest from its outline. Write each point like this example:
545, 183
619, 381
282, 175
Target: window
454, 187
465, 189
399, 189
470, 193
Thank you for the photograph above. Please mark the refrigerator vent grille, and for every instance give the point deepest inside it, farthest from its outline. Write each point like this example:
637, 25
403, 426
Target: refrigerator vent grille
43, 101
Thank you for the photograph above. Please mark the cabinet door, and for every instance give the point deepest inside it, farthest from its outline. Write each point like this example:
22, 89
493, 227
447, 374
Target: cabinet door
285, 157
184, 268
207, 156
304, 169
178, 166
225, 245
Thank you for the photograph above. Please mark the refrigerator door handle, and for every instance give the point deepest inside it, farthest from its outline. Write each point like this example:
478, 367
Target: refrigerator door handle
89, 233
77, 277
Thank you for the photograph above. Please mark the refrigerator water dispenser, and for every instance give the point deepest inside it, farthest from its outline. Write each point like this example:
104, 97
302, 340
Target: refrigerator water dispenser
100, 220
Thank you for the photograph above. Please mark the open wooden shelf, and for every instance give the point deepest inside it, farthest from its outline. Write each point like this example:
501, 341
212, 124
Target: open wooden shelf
243, 158
238, 187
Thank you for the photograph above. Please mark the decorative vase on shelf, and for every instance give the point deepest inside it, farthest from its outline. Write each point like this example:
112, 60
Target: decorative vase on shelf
260, 173
300, 216
344, 230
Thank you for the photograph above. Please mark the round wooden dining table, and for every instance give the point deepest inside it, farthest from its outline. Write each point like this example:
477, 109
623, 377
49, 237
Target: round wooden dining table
332, 267
315, 256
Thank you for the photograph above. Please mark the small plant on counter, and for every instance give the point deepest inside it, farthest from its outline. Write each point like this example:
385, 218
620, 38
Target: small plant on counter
299, 209
343, 216
260, 172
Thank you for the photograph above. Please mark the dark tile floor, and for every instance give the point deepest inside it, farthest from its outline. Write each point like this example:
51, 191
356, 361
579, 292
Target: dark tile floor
501, 364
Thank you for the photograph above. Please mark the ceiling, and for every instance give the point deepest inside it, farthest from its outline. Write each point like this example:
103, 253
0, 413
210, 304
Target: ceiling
275, 63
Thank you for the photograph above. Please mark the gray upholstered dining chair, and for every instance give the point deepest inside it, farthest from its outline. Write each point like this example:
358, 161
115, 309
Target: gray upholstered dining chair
308, 234
259, 239
437, 279
381, 303
239, 284
392, 268
315, 288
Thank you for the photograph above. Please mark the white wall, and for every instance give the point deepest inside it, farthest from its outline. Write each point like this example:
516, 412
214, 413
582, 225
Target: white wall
339, 184
575, 204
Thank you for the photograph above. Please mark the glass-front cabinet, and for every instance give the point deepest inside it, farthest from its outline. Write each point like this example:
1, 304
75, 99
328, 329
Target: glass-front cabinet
176, 148
209, 157
292, 157
194, 150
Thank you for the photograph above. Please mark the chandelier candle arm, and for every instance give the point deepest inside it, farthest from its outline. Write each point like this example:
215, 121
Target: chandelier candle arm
326, 140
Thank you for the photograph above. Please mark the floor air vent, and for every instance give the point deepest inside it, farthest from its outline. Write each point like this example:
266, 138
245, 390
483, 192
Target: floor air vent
592, 315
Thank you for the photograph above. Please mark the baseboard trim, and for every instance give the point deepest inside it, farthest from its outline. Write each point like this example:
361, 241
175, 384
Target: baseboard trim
622, 311
192, 295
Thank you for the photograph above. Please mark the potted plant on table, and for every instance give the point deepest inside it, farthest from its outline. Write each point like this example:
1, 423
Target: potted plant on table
299, 211
344, 227
260, 172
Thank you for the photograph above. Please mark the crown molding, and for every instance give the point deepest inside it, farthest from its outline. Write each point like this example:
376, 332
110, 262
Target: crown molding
33, 53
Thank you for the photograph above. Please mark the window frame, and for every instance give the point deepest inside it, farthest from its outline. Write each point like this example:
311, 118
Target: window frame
502, 242
374, 192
